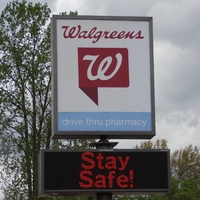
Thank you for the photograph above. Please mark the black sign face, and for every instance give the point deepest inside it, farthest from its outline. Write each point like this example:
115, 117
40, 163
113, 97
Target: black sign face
65, 172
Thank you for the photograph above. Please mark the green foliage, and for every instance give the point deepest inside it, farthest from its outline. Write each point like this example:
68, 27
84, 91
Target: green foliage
189, 190
25, 97
185, 164
158, 144
70, 13
24, 94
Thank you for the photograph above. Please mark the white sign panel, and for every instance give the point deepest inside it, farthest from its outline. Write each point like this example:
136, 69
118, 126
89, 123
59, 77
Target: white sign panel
102, 70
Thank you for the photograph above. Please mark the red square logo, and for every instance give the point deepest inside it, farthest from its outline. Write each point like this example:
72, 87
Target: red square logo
102, 67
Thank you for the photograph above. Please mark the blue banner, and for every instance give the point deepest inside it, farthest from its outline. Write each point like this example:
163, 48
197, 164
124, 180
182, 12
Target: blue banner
104, 121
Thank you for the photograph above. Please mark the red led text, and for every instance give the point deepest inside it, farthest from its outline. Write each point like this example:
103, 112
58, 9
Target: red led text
101, 171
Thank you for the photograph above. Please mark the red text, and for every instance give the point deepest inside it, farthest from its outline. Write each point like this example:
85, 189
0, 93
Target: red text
95, 34
101, 171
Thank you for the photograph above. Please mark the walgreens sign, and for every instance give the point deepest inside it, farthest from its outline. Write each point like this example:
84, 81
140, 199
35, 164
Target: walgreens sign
103, 80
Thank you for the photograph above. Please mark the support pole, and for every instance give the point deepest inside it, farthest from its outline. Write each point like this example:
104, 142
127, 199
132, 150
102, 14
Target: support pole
104, 196
103, 143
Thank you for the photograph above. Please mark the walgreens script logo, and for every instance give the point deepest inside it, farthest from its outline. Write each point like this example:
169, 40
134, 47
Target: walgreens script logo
102, 67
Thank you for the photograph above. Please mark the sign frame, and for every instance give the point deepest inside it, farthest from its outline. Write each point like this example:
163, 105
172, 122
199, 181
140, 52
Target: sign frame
97, 133
164, 153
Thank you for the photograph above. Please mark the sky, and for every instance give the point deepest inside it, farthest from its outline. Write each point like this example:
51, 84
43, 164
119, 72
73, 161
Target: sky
176, 32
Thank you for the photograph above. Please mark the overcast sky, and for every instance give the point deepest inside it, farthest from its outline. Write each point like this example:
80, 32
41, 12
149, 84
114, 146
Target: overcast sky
176, 28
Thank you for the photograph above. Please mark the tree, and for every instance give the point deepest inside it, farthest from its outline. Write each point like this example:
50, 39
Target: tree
158, 144
185, 164
189, 190
24, 94
25, 97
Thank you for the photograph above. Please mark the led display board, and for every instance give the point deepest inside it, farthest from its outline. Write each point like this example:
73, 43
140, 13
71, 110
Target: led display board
102, 77
76, 172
